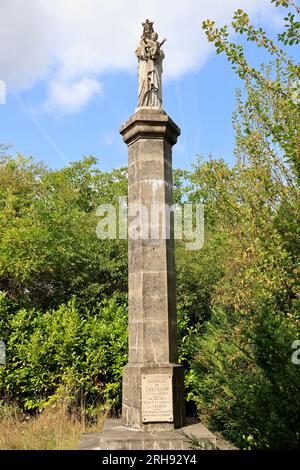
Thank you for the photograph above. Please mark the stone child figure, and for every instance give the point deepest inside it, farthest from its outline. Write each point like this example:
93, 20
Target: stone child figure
150, 57
153, 46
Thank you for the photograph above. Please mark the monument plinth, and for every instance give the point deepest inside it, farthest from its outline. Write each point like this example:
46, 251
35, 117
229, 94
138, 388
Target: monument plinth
150, 135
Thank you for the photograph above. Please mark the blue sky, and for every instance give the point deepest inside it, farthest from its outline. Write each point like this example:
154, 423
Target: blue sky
68, 94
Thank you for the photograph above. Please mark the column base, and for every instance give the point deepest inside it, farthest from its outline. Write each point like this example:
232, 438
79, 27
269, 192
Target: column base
153, 396
116, 436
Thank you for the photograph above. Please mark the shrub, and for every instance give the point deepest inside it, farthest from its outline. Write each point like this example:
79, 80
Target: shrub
245, 383
67, 349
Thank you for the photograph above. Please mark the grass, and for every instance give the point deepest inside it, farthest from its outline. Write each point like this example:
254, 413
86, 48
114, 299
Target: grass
55, 428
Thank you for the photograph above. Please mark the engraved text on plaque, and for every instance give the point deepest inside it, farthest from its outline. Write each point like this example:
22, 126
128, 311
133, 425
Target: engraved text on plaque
157, 399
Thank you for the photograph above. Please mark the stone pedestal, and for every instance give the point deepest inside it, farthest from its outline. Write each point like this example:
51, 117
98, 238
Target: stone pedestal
153, 389
115, 436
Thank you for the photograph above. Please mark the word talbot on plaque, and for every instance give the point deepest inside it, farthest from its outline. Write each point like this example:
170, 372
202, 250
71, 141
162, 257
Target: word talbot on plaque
157, 398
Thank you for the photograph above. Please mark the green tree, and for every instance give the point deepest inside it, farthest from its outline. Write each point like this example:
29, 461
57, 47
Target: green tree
244, 381
49, 249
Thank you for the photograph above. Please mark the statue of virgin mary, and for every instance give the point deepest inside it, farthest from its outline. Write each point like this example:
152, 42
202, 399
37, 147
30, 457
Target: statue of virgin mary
150, 57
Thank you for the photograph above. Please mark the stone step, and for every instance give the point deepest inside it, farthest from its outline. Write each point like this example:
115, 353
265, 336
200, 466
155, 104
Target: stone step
115, 436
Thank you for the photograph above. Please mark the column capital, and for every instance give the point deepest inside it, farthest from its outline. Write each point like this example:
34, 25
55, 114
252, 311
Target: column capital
149, 123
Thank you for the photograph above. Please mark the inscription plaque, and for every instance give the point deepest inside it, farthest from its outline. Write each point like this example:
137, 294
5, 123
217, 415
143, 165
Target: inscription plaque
157, 398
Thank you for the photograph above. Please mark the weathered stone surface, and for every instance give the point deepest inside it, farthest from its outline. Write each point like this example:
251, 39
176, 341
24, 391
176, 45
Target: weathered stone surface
90, 441
150, 135
132, 392
116, 436
149, 124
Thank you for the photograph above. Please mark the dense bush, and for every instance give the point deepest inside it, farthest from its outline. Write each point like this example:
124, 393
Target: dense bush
65, 352
245, 383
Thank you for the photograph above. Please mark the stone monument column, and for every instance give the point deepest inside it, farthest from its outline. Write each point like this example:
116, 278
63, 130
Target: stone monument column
153, 388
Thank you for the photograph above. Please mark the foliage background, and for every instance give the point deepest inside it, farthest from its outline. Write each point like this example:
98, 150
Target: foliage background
63, 302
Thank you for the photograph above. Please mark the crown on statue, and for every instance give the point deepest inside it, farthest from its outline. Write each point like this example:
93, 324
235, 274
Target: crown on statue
147, 22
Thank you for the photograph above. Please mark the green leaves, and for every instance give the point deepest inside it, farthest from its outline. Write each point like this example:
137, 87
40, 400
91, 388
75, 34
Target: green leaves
65, 351
282, 3
48, 244
244, 381
49, 252
291, 35
236, 54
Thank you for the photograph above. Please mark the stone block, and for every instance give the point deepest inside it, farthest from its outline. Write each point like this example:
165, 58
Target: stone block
132, 394
116, 436
155, 308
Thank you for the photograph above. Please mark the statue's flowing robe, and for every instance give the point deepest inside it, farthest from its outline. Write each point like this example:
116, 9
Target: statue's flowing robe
150, 82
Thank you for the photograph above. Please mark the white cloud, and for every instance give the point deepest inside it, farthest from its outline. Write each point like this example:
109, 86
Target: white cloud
70, 42
71, 96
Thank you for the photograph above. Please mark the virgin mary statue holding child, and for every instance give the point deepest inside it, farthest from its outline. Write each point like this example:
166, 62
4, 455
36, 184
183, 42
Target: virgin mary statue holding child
150, 58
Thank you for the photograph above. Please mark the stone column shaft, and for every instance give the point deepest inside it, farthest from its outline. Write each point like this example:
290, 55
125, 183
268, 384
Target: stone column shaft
150, 135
